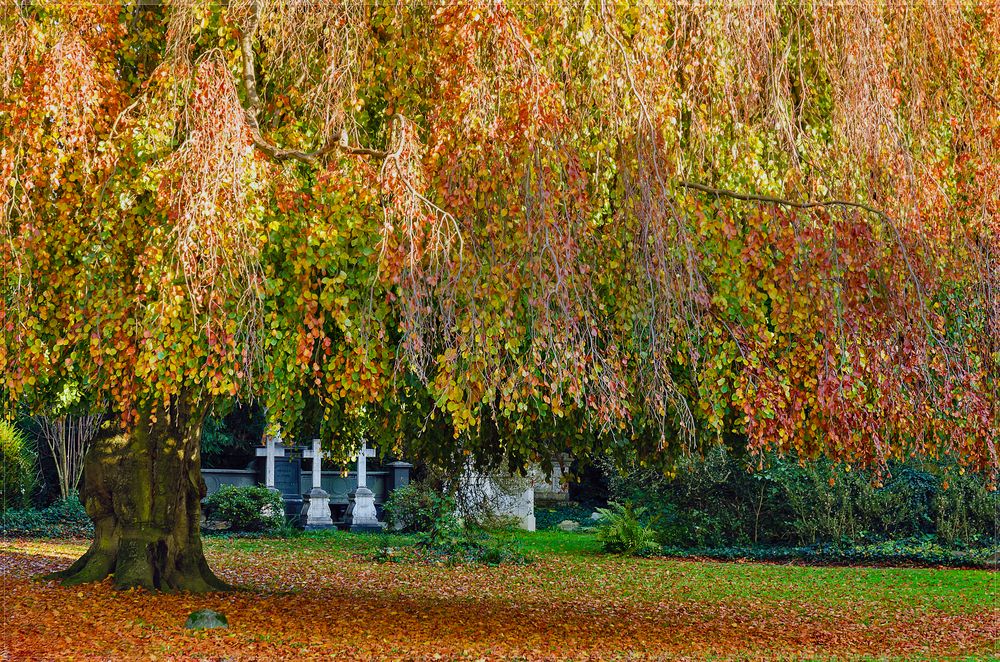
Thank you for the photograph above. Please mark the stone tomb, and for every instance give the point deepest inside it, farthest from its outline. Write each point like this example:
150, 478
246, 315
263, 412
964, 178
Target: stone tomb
361, 515
316, 509
315, 499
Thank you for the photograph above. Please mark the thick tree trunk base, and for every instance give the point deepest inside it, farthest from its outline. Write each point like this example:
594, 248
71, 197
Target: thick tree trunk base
141, 561
143, 491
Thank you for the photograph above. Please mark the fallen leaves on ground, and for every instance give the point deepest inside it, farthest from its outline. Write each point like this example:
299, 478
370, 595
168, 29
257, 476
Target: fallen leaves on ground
325, 603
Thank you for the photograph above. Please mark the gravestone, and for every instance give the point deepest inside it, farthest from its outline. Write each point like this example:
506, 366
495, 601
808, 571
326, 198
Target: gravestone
316, 514
399, 475
273, 448
361, 515
553, 490
287, 480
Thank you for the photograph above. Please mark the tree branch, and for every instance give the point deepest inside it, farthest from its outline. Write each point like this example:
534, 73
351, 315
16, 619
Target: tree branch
750, 197
267, 147
838, 203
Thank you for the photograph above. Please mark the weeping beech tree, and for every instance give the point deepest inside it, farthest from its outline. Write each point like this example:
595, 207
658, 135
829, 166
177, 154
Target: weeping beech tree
509, 228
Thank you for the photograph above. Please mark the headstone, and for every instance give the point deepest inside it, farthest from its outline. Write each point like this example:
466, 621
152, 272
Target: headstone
399, 474
316, 513
282, 474
506, 495
286, 474
273, 448
568, 525
361, 515
206, 619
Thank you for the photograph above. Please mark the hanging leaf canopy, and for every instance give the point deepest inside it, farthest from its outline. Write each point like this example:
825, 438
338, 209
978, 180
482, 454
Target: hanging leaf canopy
514, 227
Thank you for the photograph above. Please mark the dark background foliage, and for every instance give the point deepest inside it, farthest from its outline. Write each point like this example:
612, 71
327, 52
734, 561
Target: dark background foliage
720, 500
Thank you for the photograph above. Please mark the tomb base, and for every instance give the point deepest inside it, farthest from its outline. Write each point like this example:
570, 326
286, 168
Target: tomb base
316, 512
361, 516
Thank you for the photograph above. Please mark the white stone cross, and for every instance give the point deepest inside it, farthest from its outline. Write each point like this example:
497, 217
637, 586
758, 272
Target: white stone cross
316, 453
316, 510
361, 514
271, 450
363, 456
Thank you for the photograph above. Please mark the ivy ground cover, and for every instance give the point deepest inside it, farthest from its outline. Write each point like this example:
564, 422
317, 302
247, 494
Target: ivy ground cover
323, 597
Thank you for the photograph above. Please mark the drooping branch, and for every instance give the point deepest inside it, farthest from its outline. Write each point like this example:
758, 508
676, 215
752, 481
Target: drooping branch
750, 197
333, 143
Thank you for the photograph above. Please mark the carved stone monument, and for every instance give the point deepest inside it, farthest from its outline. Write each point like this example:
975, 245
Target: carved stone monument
316, 512
361, 515
272, 449
282, 476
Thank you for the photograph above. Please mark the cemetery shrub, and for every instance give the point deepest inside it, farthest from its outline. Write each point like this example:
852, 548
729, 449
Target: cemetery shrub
924, 550
247, 508
720, 501
441, 537
453, 545
496, 522
622, 531
484, 499
420, 508
967, 513
487, 550
65, 518
549, 518
19, 464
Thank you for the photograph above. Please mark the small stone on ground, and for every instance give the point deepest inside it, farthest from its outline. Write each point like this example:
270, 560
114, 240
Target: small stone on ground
206, 619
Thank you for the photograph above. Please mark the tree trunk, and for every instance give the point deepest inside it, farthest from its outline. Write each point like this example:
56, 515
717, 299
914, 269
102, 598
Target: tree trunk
143, 489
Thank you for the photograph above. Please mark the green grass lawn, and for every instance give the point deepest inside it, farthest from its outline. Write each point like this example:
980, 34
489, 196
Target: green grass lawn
949, 590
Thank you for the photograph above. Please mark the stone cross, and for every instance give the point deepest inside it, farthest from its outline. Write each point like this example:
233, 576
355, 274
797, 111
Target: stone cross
361, 514
271, 450
316, 454
316, 512
363, 456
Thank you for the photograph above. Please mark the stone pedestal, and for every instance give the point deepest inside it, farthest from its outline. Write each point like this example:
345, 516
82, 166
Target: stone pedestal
361, 515
316, 513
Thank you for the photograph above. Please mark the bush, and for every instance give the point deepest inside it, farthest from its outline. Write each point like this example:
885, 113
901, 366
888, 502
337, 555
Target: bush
18, 462
920, 551
549, 518
419, 508
65, 518
720, 501
441, 537
461, 546
621, 531
483, 549
966, 511
487, 499
711, 501
247, 508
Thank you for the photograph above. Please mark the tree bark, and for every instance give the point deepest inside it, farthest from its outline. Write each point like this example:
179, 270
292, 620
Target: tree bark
143, 490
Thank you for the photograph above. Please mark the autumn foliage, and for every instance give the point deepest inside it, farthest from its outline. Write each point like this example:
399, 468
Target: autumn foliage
589, 225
